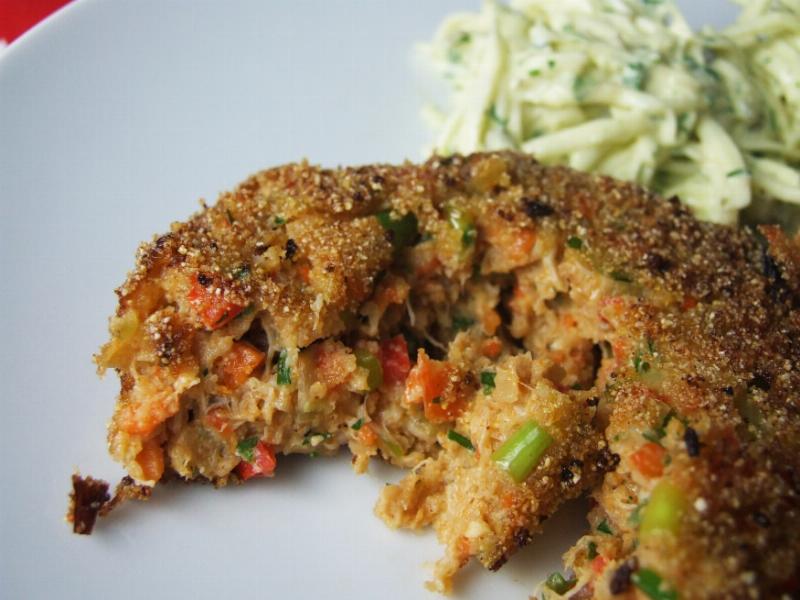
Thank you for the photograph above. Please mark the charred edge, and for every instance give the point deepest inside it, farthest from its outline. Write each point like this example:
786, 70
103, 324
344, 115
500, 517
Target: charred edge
86, 501
621, 579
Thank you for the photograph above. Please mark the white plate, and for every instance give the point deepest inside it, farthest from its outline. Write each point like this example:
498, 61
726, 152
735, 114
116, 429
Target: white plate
114, 119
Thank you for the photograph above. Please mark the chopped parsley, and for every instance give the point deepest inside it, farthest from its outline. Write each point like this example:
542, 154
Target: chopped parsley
487, 381
357, 425
278, 221
737, 173
246, 449
462, 323
591, 551
621, 276
575, 243
284, 369
604, 527
634, 75
459, 439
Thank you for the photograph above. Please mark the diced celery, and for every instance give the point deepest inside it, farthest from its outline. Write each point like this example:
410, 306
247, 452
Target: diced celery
367, 360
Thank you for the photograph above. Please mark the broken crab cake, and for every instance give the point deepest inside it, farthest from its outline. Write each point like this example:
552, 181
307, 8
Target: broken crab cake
514, 334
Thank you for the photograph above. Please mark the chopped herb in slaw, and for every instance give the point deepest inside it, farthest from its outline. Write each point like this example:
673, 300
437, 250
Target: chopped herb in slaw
626, 88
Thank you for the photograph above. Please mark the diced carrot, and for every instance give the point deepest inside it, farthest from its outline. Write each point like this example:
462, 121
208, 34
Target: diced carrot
491, 321
427, 383
263, 465
394, 360
568, 320
427, 380
523, 243
214, 309
304, 270
151, 460
463, 548
441, 410
492, 347
236, 366
599, 563
219, 419
141, 418
649, 460
367, 435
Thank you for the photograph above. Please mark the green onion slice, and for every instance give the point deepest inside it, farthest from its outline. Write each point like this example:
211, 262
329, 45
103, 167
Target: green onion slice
367, 360
558, 584
404, 230
664, 509
520, 454
652, 585
460, 439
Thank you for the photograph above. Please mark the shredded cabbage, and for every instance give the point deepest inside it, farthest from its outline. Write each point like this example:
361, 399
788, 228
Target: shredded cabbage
626, 88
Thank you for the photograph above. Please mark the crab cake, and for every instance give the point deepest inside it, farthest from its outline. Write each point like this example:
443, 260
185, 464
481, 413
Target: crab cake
515, 335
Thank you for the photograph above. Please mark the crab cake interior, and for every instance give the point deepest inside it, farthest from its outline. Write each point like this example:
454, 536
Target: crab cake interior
514, 335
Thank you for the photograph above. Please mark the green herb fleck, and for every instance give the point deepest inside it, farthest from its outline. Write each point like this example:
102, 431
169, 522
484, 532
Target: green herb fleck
495, 116
462, 323
437, 400
639, 364
634, 75
557, 583
737, 173
246, 449
604, 527
635, 517
284, 369
460, 439
241, 272
535, 72
652, 585
621, 276
591, 551
575, 243
278, 221
580, 88
357, 425
248, 310
551, 63
487, 381
404, 231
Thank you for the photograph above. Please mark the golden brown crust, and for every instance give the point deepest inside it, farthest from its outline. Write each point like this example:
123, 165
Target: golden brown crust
711, 310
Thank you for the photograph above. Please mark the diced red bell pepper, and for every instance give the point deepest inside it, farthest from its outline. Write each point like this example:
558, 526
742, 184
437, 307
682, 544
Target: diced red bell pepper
214, 310
394, 360
263, 465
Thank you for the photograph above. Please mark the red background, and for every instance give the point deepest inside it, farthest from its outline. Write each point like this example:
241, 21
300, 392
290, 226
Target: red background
17, 16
